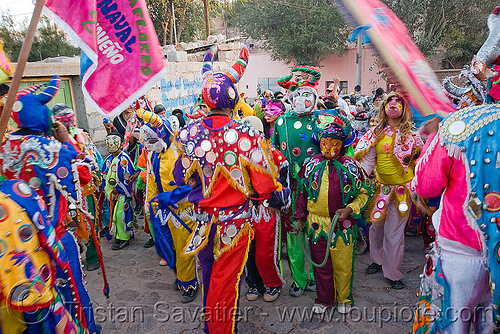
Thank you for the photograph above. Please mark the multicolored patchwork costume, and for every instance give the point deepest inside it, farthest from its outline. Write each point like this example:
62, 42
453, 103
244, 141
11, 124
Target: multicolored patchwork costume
294, 137
225, 162
172, 217
393, 161
55, 171
33, 294
120, 170
462, 273
329, 182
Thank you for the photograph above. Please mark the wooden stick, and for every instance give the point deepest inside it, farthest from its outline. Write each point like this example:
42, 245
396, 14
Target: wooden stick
21, 64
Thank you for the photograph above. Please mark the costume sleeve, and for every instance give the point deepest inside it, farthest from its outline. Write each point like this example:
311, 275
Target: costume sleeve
369, 160
262, 183
433, 169
359, 202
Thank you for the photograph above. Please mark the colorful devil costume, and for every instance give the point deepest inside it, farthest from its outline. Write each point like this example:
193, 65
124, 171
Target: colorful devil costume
331, 181
119, 191
56, 172
225, 162
393, 160
293, 136
172, 220
32, 297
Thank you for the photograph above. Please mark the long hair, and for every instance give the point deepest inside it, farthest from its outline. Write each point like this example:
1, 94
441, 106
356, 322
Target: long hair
406, 122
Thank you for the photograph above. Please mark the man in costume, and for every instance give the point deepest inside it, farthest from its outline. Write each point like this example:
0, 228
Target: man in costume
460, 284
225, 162
293, 136
332, 183
83, 144
119, 180
172, 218
56, 172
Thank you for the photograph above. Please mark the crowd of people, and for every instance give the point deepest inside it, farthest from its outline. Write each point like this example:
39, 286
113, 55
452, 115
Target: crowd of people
230, 187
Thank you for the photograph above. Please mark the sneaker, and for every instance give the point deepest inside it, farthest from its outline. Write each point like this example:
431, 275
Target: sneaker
93, 266
295, 291
319, 308
150, 243
373, 268
120, 244
311, 286
189, 295
344, 308
253, 294
397, 285
361, 247
163, 262
272, 293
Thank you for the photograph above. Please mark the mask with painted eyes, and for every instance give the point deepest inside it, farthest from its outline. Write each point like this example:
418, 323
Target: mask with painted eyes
394, 107
113, 143
303, 100
28, 282
330, 147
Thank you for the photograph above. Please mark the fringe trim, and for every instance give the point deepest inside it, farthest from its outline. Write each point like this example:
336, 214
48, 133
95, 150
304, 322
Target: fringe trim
219, 251
424, 158
185, 286
277, 248
237, 285
203, 244
471, 221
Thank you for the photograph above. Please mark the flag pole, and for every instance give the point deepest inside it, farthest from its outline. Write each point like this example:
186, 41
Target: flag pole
21, 64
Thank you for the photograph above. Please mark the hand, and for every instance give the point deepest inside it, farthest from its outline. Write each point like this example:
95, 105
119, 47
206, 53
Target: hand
432, 126
479, 70
108, 126
134, 176
344, 213
191, 182
115, 191
336, 80
60, 132
301, 223
274, 210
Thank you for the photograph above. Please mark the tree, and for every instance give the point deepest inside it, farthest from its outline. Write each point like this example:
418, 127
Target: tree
458, 26
301, 32
49, 41
189, 18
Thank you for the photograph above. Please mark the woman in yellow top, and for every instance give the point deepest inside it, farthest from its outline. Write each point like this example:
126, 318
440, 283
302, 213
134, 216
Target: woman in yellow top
390, 149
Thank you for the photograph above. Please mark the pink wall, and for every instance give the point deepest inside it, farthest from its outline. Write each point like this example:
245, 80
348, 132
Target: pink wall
261, 66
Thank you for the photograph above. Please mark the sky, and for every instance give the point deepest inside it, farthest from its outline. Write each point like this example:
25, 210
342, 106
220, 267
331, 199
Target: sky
19, 9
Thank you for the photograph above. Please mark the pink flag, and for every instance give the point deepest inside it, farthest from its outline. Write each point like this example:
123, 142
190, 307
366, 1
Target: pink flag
119, 39
398, 51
